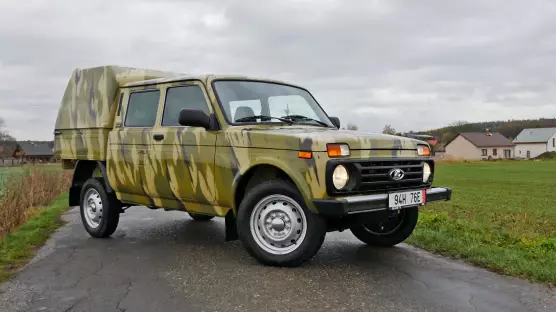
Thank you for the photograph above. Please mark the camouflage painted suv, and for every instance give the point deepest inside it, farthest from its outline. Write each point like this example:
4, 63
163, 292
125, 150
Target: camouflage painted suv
262, 154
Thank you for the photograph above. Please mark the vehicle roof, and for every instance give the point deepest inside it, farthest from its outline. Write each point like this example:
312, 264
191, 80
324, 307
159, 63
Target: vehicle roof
207, 78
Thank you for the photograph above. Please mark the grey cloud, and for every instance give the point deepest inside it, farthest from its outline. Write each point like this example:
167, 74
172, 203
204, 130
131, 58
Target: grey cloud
413, 64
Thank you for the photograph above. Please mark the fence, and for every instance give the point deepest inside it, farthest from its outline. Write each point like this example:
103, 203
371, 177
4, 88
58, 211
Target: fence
4, 162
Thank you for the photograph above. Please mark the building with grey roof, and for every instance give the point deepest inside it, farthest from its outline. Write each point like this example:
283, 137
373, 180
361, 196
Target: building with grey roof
532, 142
480, 146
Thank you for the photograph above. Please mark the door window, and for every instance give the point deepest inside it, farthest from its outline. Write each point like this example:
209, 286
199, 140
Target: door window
142, 108
178, 98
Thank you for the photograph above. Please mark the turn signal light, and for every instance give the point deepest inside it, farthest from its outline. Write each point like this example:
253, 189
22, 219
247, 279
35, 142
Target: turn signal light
305, 155
337, 150
423, 150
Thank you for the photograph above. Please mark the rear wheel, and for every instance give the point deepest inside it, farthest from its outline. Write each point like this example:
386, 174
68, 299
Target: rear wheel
276, 227
100, 211
389, 229
199, 217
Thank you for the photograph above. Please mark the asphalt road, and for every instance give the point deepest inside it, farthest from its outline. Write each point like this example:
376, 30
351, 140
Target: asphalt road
164, 261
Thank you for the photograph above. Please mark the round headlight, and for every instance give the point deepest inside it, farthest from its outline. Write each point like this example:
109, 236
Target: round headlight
426, 172
340, 177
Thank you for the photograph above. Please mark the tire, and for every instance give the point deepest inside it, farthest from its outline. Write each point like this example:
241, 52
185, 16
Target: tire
95, 198
290, 218
199, 217
367, 234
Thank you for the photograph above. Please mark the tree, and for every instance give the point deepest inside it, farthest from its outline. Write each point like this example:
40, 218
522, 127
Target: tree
388, 130
458, 123
351, 126
4, 136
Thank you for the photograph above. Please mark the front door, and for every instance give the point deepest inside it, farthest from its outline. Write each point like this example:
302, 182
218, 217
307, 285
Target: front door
183, 156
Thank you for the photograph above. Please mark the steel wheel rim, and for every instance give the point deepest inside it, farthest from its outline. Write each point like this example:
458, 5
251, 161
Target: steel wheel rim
278, 224
400, 218
92, 206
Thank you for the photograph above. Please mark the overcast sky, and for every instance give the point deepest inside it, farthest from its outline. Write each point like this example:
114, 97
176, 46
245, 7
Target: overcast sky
413, 64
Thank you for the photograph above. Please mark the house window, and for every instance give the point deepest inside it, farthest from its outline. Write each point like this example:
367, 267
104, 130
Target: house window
553, 142
484, 151
494, 152
507, 153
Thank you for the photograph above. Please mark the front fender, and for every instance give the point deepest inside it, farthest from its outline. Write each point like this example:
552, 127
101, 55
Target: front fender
305, 174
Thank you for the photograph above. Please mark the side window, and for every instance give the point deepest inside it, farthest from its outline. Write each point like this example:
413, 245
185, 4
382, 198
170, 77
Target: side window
484, 151
178, 98
142, 108
120, 103
495, 152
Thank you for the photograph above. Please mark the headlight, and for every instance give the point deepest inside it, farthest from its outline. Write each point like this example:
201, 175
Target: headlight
340, 177
423, 150
426, 172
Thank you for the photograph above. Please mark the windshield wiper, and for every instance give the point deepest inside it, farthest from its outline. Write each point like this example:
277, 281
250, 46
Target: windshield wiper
301, 117
262, 117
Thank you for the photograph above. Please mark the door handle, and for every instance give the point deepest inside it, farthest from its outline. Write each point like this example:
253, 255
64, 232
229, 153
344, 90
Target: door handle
158, 137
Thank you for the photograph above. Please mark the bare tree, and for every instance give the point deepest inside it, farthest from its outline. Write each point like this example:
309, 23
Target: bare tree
388, 129
351, 126
4, 135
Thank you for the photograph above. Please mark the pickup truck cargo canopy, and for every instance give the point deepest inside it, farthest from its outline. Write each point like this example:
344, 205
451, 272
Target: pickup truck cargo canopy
89, 98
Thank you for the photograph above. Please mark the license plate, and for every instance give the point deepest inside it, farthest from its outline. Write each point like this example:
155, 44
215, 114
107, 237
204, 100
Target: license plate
404, 199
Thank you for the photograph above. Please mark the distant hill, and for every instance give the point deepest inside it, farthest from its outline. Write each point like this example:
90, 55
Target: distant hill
509, 129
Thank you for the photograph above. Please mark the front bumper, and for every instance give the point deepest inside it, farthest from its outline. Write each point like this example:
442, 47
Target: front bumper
370, 203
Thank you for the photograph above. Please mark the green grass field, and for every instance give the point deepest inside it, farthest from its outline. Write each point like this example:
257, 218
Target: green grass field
4, 172
502, 216
18, 247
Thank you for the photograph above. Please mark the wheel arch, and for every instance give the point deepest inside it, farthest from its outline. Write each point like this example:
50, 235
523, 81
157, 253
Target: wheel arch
269, 170
85, 169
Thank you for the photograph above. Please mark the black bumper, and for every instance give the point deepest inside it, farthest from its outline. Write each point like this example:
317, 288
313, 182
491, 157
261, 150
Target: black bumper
370, 203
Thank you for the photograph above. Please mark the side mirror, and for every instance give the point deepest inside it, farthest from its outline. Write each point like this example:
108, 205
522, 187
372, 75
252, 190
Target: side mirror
194, 118
335, 121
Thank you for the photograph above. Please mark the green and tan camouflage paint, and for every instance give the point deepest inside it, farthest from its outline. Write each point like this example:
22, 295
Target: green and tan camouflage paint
197, 170
88, 106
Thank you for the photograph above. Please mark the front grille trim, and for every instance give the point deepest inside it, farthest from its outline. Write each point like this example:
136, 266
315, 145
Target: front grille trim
371, 176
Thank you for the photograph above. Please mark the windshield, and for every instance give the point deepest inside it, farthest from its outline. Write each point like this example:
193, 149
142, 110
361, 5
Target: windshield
251, 101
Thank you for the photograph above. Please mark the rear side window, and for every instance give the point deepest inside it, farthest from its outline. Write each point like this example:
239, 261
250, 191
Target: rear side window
178, 98
142, 108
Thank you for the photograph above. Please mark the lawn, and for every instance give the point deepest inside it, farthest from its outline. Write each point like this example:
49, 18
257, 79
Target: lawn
502, 216
4, 172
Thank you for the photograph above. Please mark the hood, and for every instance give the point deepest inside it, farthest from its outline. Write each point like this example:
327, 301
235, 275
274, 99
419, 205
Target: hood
315, 138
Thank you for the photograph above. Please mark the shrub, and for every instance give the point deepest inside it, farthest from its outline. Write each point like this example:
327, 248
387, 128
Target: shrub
26, 191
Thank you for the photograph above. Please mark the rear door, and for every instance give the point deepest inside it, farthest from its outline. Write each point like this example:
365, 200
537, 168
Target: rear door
182, 158
130, 140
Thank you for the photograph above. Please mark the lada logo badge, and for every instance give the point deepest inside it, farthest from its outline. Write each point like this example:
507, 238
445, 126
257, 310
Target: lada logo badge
396, 174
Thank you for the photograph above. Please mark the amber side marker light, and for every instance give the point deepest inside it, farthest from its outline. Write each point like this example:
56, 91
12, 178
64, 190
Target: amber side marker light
423, 150
305, 155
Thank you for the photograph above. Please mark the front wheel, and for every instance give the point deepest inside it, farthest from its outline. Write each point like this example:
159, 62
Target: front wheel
276, 227
388, 229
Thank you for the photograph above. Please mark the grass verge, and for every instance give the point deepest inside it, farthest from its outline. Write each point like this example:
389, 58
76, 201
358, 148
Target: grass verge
501, 217
20, 245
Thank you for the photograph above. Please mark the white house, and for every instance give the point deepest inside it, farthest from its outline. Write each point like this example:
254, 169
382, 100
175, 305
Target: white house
530, 143
480, 145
